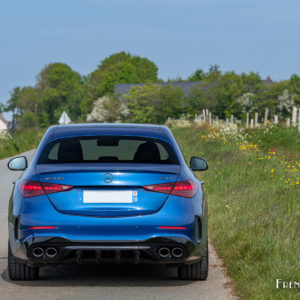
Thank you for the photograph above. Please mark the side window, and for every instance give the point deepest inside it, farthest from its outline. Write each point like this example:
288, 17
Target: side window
53, 154
163, 152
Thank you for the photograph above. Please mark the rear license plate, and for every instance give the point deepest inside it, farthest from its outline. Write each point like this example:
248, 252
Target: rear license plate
109, 196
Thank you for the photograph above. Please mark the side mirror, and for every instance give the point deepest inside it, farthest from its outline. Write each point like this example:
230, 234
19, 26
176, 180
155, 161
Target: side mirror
18, 163
198, 164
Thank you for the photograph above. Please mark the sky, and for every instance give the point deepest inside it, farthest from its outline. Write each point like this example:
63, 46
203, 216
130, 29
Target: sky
179, 36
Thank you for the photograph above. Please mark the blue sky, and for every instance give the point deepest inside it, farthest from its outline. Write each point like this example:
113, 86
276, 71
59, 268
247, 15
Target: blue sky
179, 36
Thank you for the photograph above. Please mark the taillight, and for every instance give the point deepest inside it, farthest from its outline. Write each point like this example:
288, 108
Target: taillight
185, 188
165, 188
30, 188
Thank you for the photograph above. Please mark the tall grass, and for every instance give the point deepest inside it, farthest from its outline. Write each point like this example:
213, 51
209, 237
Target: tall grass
20, 141
280, 139
253, 215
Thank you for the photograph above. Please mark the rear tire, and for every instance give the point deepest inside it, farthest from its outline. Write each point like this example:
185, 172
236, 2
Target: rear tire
20, 271
195, 271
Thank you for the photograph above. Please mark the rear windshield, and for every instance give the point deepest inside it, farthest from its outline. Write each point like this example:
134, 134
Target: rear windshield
108, 149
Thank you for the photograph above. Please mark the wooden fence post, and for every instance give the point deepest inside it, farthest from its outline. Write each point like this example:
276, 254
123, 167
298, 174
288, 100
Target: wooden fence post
299, 119
256, 119
247, 120
209, 118
251, 123
203, 112
294, 116
266, 115
288, 122
275, 119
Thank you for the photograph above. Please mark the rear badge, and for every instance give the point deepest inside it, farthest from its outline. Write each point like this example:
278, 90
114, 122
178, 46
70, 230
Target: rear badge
107, 178
166, 178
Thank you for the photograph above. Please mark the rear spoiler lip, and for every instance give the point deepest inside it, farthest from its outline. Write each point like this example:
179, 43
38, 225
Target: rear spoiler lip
108, 167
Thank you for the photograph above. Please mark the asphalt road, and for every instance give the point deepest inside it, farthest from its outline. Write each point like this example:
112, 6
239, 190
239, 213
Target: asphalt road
103, 282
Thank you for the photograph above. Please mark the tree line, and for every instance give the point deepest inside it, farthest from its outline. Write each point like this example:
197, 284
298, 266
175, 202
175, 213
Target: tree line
59, 88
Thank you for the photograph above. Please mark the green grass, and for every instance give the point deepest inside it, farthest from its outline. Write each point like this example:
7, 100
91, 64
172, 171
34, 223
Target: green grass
19, 142
286, 141
253, 217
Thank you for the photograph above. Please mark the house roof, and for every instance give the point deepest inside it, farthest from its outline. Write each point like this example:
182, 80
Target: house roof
3, 120
124, 88
268, 80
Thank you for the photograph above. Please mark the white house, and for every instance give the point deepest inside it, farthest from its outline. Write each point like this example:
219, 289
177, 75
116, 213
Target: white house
3, 124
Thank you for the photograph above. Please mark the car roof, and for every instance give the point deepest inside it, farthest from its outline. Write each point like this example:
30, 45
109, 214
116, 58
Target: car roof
107, 125
120, 129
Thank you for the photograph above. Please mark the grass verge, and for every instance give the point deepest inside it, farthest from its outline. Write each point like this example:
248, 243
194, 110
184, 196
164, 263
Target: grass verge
253, 215
285, 141
20, 141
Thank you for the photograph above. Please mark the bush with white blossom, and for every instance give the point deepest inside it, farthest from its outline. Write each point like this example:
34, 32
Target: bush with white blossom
108, 109
285, 102
246, 102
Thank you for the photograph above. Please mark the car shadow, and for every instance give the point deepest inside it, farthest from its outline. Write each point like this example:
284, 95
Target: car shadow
104, 275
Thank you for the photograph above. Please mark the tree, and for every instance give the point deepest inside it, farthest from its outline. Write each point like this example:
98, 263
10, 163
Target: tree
120, 67
202, 96
217, 92
294, 87
2, 107
142, 102
12, 104
252, 83
153, 103
28, 107
269, 97
171, 103
231, 87
198, 75
60, 88
122, 72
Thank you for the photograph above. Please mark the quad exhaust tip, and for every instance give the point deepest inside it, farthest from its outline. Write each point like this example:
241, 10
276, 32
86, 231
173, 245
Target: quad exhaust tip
164, 252
177, 252
38, 252
51, 252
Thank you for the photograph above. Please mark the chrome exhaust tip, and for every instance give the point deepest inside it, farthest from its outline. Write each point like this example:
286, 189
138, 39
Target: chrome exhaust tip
38, 252
51, 252
164, 252
177, 252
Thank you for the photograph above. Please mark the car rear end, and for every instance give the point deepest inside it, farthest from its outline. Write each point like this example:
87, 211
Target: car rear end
108, 194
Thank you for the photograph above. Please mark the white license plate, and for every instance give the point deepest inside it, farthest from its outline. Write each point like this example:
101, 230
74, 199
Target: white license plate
109, 196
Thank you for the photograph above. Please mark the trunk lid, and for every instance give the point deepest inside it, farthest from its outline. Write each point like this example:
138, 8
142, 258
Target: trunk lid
107, 189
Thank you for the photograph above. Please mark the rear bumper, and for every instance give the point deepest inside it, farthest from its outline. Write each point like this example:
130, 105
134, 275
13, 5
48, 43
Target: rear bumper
41, 251
133, 231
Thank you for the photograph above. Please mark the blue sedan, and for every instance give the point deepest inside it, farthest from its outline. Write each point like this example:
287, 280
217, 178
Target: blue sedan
108, 193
